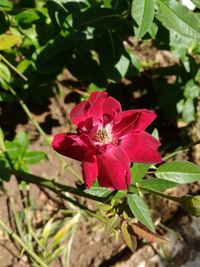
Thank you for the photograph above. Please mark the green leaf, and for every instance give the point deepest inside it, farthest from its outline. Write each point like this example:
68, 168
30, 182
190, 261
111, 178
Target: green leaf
55, 254
142, 12
32, 157
135, 60
104, 192
21, 138
188, 112
140, 210
196, 2
180, 172
174, 16
157, 184
7, 41
111, 224
138, 171
128, 236
27, 17
6, 5
110, 52
96, 16
46, 232
13, 149
191, 90
4, 73
122, 65
153, 30
2, 145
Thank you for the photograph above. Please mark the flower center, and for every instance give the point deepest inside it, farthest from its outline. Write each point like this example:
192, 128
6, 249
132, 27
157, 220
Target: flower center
104, 135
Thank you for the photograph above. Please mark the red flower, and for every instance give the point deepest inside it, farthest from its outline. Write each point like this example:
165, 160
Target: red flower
107, 140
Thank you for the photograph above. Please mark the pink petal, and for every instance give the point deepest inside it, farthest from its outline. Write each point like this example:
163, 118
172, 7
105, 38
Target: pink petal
89, 170
79, 112
136, 120
141, 147
110, 107
96, 96
69, 145
88, 109
113, 165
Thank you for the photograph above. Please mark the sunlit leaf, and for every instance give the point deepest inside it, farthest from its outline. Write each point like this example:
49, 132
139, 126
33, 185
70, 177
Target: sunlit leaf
7, 41
32, 157
142, 12
140, 210
138, 171
180, 172
6, 5
179, 18
4, 73
157, 184
128, 236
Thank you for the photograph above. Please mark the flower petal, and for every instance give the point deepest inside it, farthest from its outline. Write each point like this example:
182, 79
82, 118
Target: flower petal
69, 145
90, 108
79, 112
110, 107
89, 170
136, 120
113, 165
141, 147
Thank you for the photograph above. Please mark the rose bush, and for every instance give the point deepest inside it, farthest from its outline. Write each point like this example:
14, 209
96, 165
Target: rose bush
107, 140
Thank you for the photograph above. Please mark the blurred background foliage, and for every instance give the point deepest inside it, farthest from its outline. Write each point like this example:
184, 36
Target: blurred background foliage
92, 40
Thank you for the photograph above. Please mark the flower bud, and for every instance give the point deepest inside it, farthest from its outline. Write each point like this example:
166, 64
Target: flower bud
191, 204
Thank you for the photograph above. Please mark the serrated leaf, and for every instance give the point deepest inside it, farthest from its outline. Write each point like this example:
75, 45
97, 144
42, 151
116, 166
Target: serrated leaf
180, 172
32, 157
128, 237
144, 232
7, 41
140, 210
177, 17
157, 184
6, 5
142, 12
138, 171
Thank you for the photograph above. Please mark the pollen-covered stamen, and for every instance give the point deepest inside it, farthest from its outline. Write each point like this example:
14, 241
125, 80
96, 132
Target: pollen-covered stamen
104, 135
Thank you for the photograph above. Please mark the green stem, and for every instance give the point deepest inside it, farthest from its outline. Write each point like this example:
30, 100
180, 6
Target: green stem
173, 198
181, 150
24, 246
13, 68
53, 186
